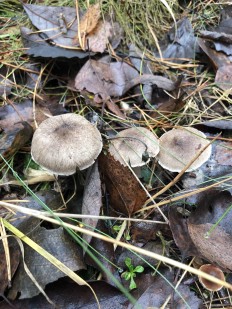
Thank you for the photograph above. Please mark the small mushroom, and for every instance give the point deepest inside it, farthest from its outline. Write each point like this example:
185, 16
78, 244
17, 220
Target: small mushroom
179, 146
134, 146
213, 271
62, 144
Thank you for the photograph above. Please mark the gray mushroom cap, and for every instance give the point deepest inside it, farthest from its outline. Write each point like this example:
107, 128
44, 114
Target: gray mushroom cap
179, 146
62, 144
130, 145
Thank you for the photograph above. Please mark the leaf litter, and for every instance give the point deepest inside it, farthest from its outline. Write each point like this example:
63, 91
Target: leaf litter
162, 88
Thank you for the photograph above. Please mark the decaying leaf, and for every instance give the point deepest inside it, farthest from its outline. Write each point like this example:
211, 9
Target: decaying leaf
143, 232
55, 241
180, 44
92, 199
68, 295
179, 228
151, 246
49, 19
58, 25
114, 79
12, 141
166, 105
106, 256
157, 293
58, 244
217, 246
98, 40
12, 116
208, 233
126, 194
217, 59
39, 47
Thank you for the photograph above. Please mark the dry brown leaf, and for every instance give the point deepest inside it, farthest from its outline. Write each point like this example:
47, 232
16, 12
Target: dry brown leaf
216, 248
210, 216
88, 22
126, 194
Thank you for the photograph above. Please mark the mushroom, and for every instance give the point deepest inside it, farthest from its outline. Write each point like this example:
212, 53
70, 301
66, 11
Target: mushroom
62, 144
179, 146
213, 271
134, 146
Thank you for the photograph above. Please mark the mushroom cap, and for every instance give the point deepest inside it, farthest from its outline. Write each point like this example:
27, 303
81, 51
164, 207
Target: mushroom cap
213, 271
62, 144
130, 146
179, 146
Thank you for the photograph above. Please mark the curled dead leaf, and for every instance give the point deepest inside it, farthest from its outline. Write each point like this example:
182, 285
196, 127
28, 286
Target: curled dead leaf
126, 194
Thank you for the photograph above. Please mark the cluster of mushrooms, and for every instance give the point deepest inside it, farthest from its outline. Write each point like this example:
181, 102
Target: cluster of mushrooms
66, 143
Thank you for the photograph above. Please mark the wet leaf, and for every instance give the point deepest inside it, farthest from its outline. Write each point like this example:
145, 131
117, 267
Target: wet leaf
217, 247
106, 80
68, 295
60, 246
126, 194
92, 199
